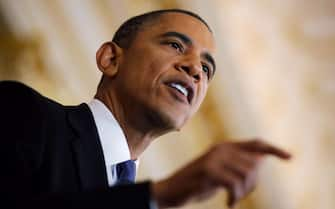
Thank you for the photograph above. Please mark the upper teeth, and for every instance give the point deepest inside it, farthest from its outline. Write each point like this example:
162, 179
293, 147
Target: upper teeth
180, 88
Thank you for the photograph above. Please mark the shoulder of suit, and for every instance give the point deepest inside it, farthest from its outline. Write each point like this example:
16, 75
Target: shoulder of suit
15, 88
15, 91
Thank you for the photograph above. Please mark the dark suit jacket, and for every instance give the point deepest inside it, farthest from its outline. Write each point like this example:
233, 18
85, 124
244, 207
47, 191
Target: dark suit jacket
51, 157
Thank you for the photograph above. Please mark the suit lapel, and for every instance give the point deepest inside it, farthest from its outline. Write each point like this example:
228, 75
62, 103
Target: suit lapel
87, 148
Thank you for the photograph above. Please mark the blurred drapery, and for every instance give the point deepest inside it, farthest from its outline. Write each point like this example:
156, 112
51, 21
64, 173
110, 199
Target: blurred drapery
276, 80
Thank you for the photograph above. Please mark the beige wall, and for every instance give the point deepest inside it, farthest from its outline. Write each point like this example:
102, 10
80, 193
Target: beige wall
275, 80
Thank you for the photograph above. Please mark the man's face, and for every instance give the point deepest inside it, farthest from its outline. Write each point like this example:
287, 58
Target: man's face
166, 70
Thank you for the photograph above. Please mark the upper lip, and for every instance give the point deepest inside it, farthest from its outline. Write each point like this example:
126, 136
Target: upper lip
188, 85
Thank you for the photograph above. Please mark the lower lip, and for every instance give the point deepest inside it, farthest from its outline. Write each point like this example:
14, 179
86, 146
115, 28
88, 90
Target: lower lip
178, 95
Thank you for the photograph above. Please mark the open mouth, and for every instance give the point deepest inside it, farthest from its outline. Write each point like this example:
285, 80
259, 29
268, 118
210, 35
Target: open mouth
183, 88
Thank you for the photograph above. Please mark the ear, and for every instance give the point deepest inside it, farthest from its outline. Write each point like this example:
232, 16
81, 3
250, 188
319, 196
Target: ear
108, 58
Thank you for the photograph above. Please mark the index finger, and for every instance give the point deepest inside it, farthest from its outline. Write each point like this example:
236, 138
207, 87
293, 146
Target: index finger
262, 147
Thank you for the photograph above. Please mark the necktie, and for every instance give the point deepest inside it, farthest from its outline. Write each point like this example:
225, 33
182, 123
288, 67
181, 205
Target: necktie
126, 172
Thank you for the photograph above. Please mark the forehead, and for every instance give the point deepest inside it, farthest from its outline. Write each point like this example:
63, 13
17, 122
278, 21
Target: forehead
182, 23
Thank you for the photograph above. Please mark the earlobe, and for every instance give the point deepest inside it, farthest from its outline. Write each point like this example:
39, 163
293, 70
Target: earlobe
108, 58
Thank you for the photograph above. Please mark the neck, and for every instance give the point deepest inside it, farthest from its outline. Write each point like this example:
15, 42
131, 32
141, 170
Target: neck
139, 134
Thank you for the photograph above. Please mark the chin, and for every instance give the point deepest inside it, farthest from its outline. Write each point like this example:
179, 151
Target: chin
171, 122
167, 118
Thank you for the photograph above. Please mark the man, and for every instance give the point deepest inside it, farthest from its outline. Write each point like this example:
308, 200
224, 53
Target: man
156, 72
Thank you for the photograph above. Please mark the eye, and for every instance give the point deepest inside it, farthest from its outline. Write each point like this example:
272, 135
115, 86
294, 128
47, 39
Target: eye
176, 46
206, 70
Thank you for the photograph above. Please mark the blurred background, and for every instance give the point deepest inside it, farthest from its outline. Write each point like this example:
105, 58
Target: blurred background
275, 80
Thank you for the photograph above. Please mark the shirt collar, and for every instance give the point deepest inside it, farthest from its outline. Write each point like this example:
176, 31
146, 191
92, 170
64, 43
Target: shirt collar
113, 141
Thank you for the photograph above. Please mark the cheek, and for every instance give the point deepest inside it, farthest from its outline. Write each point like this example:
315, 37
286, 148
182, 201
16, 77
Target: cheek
158, 67
146, 76
201, 97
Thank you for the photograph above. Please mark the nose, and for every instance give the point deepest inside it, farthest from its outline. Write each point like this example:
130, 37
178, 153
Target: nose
192, 67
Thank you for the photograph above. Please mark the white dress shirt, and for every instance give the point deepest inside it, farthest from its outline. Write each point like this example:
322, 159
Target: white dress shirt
113, 141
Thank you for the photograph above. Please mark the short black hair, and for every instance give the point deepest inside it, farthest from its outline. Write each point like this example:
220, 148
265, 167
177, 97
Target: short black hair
126, 33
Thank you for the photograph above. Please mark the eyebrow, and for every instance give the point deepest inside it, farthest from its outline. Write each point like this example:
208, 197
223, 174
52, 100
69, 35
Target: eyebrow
188, 41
